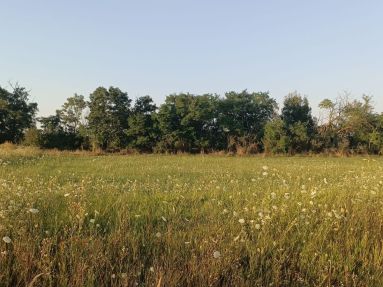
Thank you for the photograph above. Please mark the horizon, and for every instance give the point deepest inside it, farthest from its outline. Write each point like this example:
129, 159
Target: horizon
317, 49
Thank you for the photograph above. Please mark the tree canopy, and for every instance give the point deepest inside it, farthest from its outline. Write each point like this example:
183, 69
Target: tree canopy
238, 122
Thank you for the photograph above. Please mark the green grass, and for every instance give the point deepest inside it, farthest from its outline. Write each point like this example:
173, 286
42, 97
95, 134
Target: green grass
159, 220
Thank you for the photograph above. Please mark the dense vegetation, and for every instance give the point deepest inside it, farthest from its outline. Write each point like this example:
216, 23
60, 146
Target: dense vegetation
238, 123
157, 220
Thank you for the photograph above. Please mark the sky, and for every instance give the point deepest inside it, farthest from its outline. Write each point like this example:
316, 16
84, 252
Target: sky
318, 48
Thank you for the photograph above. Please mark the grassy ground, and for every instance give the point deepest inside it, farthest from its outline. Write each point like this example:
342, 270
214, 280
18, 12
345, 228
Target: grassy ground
74, 220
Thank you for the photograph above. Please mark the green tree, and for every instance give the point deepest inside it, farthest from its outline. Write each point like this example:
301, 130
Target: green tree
275, 139
16, 114
188, 123
109, 112
143, 132
243, 116
357, 124
299, 123
71, 113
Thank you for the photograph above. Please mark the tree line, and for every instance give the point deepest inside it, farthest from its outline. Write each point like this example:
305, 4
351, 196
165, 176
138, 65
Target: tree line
238, 122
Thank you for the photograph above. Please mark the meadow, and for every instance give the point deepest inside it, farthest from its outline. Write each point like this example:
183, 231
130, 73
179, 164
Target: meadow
157, 220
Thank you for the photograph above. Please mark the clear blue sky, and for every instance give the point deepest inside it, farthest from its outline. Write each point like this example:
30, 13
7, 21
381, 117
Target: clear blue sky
319, 48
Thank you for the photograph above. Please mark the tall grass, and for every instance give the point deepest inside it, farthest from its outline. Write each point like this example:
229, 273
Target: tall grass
191, 221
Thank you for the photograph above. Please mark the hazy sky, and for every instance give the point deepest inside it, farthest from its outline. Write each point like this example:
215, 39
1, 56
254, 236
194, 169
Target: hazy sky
319, 48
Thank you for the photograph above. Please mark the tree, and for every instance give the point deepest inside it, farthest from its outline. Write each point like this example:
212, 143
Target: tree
31, 137
275, 139
109, 112
52, 134
176, 136
143, 132
203, 119
188, 123
327, 137
356, 124
16, 114
299, 123
243, 117
71, 113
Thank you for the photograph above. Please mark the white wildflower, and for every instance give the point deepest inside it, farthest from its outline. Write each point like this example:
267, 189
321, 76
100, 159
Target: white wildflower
33, 210
216, 254
7, 239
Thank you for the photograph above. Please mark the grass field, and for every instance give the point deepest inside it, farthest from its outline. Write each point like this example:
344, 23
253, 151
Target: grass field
72, 220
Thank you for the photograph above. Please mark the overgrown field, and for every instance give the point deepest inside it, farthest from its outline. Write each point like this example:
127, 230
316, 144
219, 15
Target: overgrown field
73, 220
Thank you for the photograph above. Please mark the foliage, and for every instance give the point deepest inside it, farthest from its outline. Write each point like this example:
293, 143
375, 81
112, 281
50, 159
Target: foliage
275, 139
299, 124
143, 128
108, 118
239, 122
243, 117
16, 114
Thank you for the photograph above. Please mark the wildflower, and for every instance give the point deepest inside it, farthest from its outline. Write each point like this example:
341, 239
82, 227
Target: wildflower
151, 269
7, 239
257, 226
265, 167
287, 195
216, 254
92, 220
264, 173
158, 234
242, 221
33, 210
